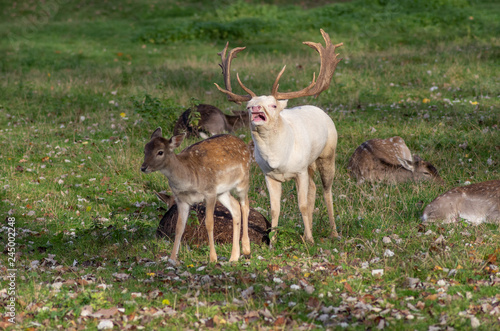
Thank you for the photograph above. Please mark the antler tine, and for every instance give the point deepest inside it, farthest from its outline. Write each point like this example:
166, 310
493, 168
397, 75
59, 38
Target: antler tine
276, 85
329, 63
226, 66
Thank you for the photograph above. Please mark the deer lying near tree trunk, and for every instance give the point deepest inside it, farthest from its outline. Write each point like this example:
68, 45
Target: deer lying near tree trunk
211, 121
292, 143
206, 171
475, 203
389, 160
258, 225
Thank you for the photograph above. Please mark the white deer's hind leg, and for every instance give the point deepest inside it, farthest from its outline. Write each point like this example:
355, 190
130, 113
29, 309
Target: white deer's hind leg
234, 208
302, 181
274, 188
311, 194
182, 216
209, 223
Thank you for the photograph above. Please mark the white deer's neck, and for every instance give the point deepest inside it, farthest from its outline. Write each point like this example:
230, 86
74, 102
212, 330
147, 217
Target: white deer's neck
272, 142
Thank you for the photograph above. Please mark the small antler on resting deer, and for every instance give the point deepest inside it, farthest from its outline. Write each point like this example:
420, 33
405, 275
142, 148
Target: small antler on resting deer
292, 143
329, 63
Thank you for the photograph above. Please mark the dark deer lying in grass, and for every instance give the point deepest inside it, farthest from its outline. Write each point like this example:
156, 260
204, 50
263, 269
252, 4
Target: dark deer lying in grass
258, 225
475, 203
211, 121
292, 143
389, 160
206, 171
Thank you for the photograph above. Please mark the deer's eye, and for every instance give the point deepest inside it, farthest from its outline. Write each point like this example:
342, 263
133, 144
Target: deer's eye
273, 106
160, 153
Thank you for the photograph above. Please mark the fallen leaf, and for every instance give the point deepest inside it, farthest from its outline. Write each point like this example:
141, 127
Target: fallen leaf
348, 287
105, 313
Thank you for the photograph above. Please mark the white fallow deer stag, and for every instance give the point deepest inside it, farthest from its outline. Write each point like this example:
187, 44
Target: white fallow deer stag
292, 143
204, 172
475, 203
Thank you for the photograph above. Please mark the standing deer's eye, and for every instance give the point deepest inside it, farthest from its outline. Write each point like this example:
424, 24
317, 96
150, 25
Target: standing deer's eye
160, 153
273, 106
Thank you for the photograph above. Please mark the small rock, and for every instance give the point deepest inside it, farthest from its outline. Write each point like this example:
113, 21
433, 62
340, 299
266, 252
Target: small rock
388, 253
105, 324
309, 289
474, 322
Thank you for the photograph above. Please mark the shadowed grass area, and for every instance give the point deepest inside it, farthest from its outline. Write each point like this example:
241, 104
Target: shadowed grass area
84, 84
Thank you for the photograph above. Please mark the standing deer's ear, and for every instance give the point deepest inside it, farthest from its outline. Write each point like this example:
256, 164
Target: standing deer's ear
156, 134
176, 141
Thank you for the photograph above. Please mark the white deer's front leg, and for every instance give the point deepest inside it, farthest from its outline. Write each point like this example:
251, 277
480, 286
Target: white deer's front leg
182, 216
274, 188
302, 181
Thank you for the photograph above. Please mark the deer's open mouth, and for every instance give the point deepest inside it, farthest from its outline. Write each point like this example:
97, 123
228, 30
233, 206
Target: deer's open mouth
259, 117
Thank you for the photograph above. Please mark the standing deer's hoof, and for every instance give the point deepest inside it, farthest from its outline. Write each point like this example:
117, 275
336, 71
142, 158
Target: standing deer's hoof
234, 259
336, 237
172, 262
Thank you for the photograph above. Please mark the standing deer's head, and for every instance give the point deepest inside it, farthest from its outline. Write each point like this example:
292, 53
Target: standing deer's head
158, 149
264, 109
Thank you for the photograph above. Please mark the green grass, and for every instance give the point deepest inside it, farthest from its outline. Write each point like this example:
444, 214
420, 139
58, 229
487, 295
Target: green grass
83, 86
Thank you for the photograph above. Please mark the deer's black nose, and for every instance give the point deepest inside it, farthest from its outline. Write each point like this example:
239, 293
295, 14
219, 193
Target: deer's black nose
143, 168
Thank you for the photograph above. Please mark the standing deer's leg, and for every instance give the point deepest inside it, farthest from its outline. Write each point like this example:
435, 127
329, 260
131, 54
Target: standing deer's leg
245, 211
242, 192
311, 193
302, 181
327, 172
209, 222
234, 208
182, 216
274, 188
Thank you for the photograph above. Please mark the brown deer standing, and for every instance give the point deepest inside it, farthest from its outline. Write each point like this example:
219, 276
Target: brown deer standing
389, 160
206, 171
475, 203
258, 225
212, 121
292, 143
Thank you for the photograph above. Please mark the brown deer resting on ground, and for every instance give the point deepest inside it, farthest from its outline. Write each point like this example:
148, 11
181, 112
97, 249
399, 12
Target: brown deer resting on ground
258, 225
206, 171
475, 203
212, 121
292, 143
389, 160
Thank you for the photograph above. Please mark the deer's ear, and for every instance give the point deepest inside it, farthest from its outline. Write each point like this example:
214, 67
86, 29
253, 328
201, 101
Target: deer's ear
156, 134
416, 158
176, 141
282, 104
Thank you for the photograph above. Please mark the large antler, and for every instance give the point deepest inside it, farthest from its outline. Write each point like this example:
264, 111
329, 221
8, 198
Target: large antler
226, 66
329, 63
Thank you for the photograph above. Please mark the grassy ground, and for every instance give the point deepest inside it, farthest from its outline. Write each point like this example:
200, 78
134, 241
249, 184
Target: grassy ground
84, 85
